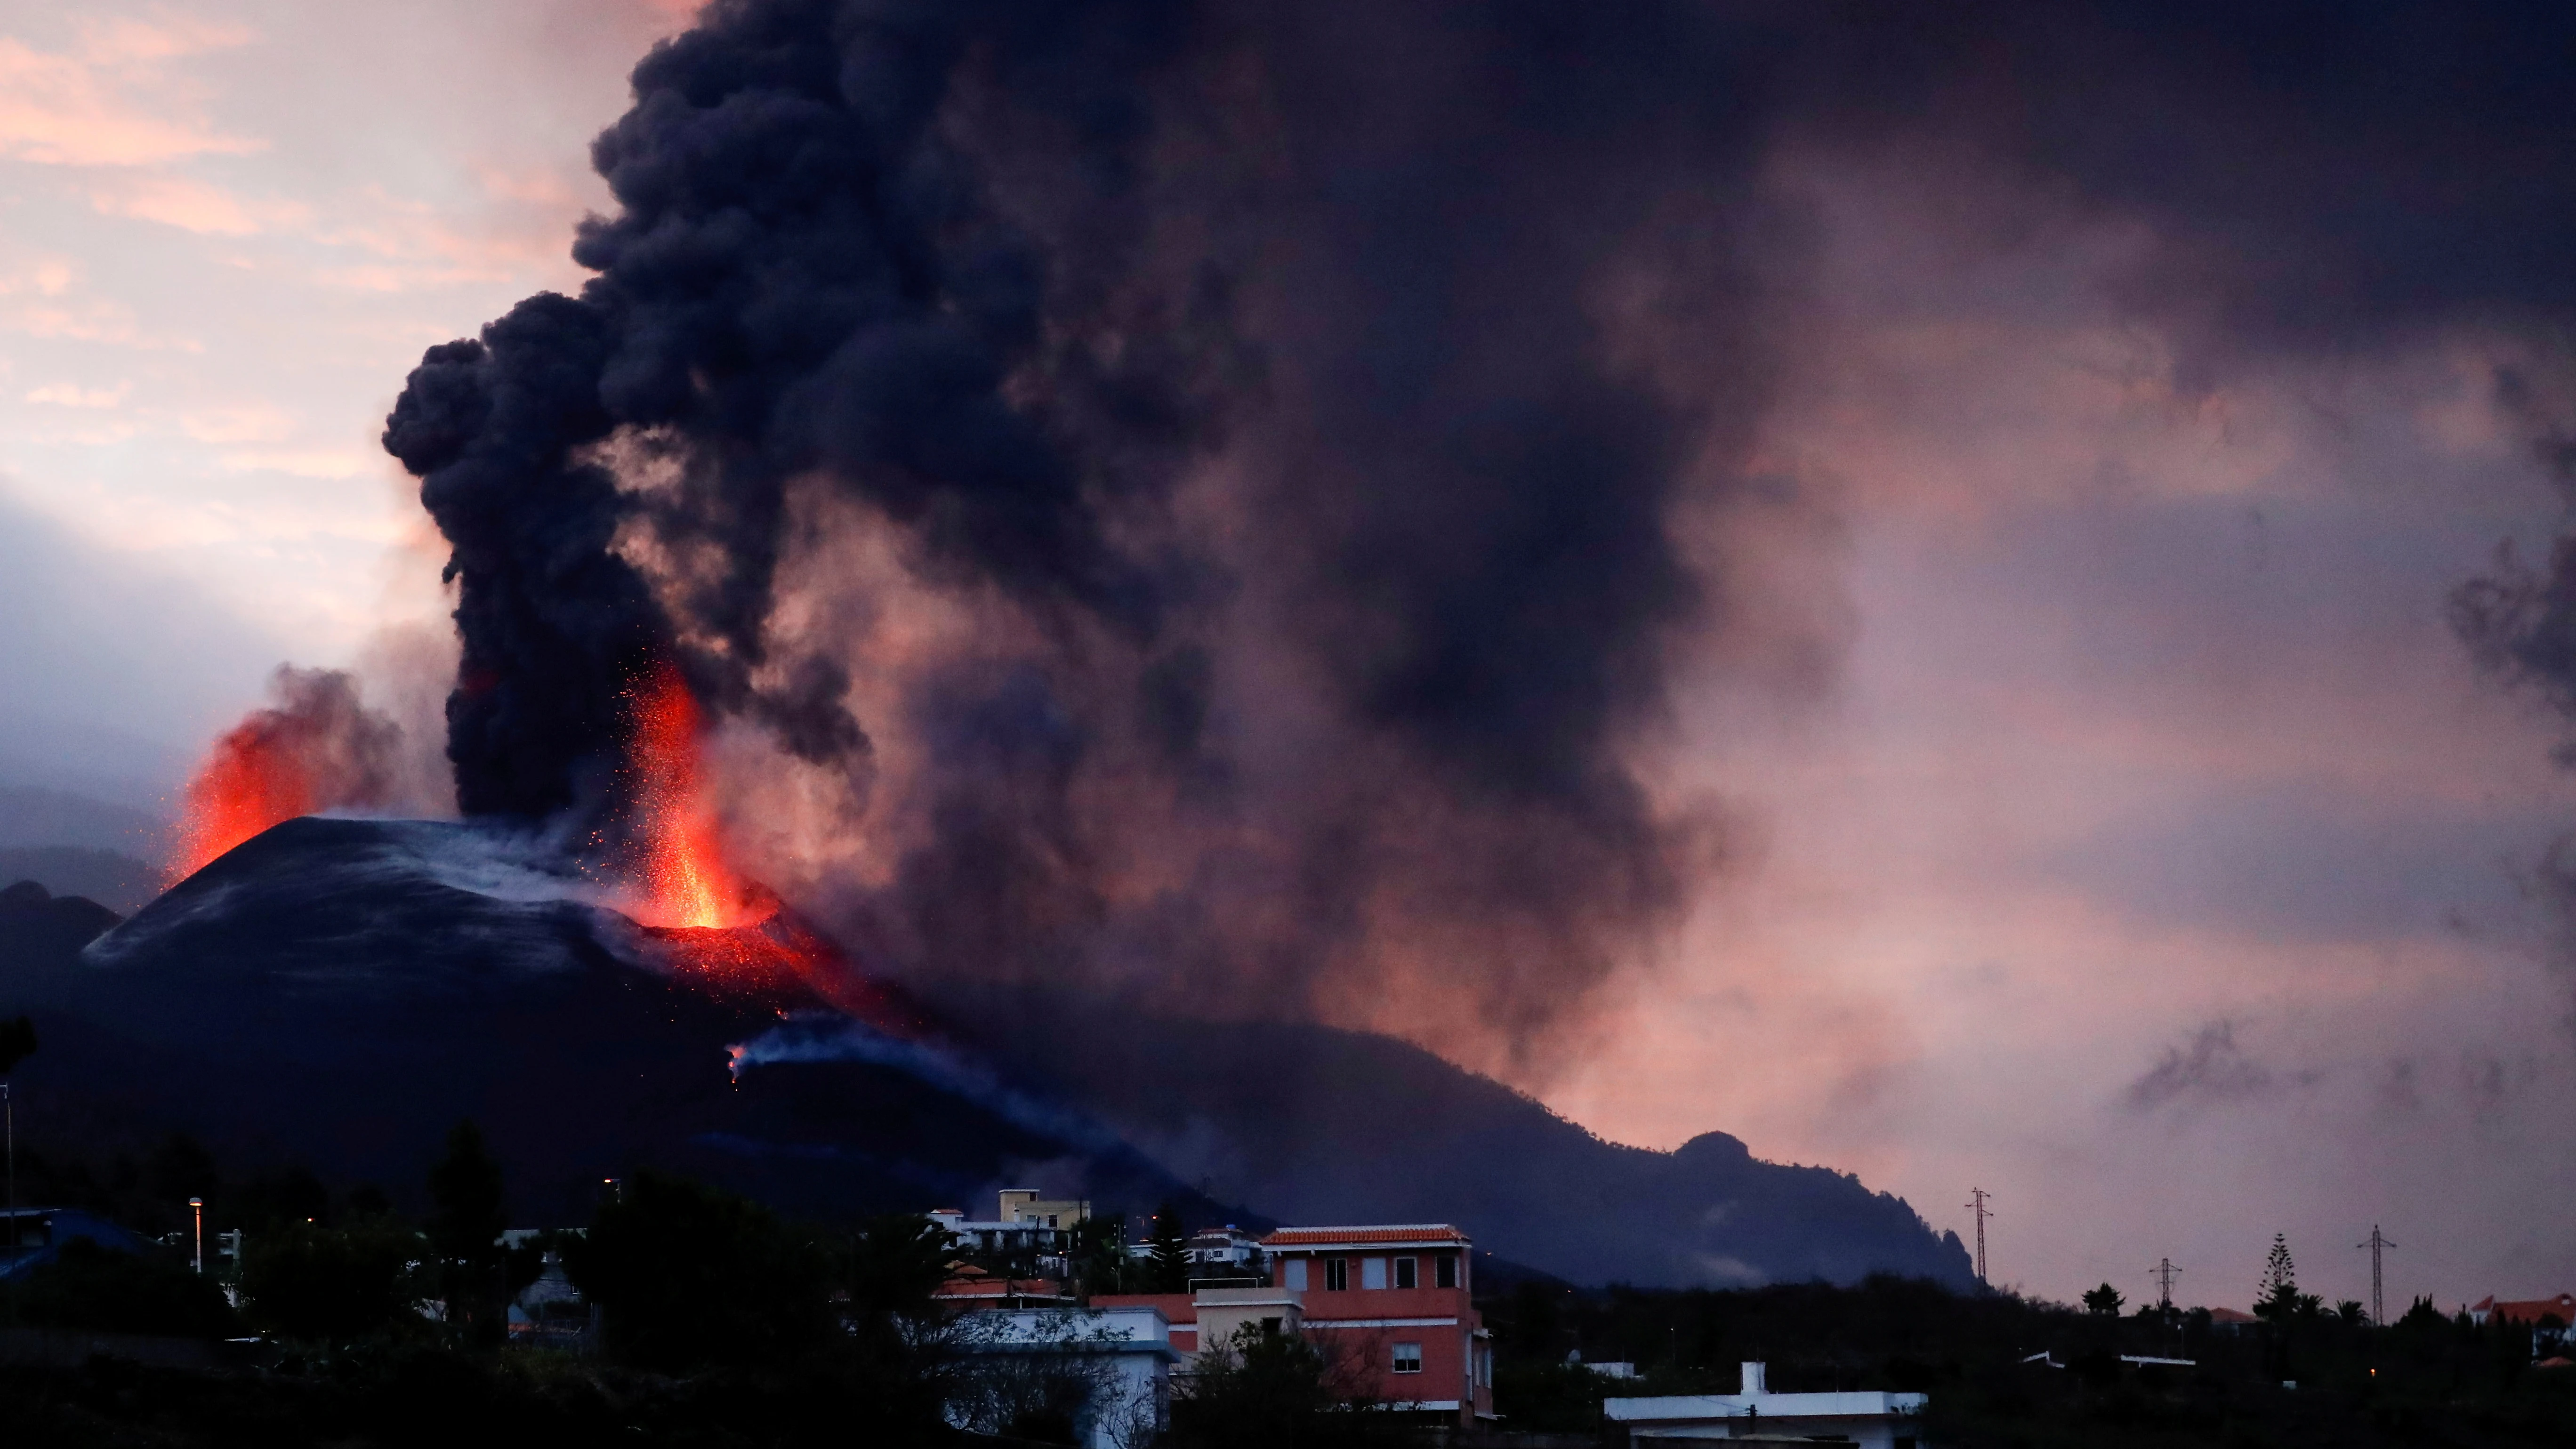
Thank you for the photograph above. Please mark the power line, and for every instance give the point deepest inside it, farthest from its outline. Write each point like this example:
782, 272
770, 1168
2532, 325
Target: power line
1977, 1199
2376, 1245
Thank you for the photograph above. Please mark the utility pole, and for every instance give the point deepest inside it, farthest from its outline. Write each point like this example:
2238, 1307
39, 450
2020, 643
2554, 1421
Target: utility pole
2376, 1245
2165, 1272
197, 1206
1977, 1199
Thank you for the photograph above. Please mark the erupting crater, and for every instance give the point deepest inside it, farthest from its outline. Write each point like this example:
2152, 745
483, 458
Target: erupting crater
699, 916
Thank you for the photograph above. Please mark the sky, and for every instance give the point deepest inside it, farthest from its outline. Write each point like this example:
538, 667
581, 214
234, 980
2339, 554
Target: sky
2117, 823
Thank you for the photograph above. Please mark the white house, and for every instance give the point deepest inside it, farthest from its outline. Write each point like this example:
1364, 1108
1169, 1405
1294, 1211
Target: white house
1024, 1222
1872, 1420
1115, 1362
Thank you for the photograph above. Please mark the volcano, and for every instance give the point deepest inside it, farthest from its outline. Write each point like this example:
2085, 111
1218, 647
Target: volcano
338, 993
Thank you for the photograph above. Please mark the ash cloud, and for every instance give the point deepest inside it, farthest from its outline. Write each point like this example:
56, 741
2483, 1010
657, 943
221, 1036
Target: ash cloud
2212, 1068
319, 734
1317, 434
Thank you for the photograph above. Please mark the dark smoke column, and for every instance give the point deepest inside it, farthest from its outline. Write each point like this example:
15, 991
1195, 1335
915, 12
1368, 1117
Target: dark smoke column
552, 621
1246, 375
800, 278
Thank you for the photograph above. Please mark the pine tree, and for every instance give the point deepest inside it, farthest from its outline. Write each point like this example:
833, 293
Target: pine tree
2277, 1296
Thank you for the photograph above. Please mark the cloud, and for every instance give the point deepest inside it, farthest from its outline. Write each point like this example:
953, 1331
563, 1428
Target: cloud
2213, 1068
303, 463
71, 395
196, 206
110, 106
255, 423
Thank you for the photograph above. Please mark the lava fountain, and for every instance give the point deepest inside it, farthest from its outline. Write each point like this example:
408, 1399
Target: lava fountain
685, 881
697, 913
316, 748
246, 785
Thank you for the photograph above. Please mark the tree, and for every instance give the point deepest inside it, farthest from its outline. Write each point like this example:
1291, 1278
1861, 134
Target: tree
17, 1043
1167, 1260
2103, 1301
331, 1284
465, 1225
687, 1276
85, 1286
2276, 1297
1098, 1255
894, 1264
468, 1214
1273, 1391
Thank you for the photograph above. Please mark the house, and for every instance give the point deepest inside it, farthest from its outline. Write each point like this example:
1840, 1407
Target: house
969, 1287
30, 1237
1115, 1364
2231, 1320
1024, 1222
2547, 1318
550, 1312
2525, 1310
1389, 1307
1871, 1419
1212, 1252
1024, 1205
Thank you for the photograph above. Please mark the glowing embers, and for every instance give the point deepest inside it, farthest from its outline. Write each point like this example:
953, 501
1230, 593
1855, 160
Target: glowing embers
786, 962
684, 879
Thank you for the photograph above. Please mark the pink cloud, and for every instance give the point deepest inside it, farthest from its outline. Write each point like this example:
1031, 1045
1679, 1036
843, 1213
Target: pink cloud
109, 108
194, 206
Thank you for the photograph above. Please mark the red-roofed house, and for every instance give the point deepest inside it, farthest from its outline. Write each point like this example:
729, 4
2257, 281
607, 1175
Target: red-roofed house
2525, 1310
2548, 1319
1389, 1306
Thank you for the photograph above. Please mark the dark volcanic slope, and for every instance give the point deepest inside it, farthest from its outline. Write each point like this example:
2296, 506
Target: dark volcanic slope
339, 993
1319, 1125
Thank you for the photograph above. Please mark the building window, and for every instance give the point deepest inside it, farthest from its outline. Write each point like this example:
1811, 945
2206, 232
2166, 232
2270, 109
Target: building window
1372, 1272
1444, 1270
1337, 1274
1296, 1274
1408, 1358
1404, 1274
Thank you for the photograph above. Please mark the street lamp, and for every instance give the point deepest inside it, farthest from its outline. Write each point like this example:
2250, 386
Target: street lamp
197, 1206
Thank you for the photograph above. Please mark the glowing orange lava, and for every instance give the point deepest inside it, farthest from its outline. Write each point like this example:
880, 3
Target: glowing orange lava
249, 782
685, 879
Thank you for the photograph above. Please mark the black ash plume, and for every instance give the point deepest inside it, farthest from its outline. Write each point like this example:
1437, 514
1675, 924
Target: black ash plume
1300, 401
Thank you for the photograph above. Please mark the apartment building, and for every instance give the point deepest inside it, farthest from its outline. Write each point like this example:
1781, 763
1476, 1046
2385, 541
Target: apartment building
1388, 1305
